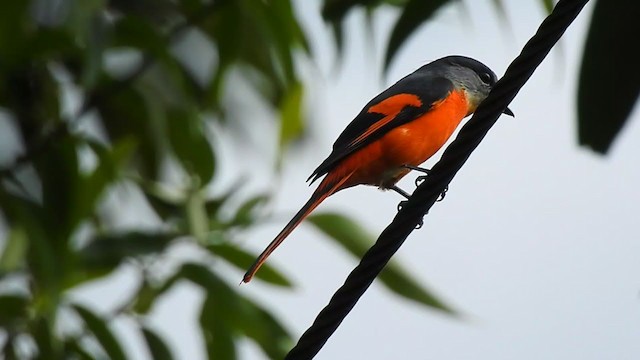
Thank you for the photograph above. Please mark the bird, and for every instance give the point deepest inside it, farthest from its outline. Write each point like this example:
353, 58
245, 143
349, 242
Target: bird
395, 133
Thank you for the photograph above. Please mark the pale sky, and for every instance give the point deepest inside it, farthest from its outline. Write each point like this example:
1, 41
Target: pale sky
537, 243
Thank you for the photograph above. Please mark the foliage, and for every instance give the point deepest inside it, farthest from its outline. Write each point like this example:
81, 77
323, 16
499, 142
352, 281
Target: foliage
609, 88
104, 105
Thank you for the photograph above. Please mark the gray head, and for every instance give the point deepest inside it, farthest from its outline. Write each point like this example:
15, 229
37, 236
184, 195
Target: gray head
468, 75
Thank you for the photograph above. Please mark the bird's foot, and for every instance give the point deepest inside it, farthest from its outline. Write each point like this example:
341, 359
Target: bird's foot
401, 204
443, 193
421, 179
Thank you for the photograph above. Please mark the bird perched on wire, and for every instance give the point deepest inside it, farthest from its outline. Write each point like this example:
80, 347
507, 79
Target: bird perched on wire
396, 132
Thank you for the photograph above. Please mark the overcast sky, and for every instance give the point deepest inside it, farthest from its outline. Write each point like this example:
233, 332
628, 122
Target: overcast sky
537, 243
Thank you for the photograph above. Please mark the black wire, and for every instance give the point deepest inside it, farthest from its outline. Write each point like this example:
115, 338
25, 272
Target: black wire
440, 176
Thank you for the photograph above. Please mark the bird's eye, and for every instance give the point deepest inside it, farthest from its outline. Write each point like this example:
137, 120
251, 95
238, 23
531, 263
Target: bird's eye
486, 78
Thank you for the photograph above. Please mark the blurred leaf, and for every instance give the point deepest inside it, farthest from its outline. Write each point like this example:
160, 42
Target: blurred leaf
100, 329
190, 144
93, 54
216, 333
60, 176
335, 12
224, 313
45, 339
197, 215
153, 10
74, 350
125, 115
15, 249
13, 29
261, 326
92, 186
414, 14
501, 11
137, 33
145, 297
202, 276
243, 260
13, 310
165, 204
357, 241
245, 215
607, 89
548, 5
41, 257
109, 250
190, 6
218, 309
292, 122
157, 347
212, 206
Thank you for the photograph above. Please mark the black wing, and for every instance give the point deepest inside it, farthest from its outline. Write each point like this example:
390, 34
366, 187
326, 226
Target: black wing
371, 124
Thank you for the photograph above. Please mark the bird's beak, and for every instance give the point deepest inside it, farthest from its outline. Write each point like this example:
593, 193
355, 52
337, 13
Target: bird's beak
509, 112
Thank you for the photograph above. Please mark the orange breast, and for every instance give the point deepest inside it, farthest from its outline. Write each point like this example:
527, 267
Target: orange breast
380, 163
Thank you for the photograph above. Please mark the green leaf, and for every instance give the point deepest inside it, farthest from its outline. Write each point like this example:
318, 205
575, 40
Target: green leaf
245, 215
41, 257
337, 10
157, 347
243, 260
92, 186
46, 342
261, 326
216, 332
165, 204
609, 82
125, 115
15, 249
94, 52
189, 143
292, 122
108, 250
548, 5
357, 241
13, 29
201, 275
13, 310
415, 13
153, 10
145, 296
59, 173
100, 330
74, 350
137, 33
218, 309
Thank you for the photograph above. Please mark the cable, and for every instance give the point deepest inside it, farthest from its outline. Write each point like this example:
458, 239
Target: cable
470, 136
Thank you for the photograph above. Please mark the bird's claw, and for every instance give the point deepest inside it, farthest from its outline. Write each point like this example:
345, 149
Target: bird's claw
420, 180
401, 204
443, 193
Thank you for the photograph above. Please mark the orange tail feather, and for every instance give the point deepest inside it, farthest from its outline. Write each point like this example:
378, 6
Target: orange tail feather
326, 188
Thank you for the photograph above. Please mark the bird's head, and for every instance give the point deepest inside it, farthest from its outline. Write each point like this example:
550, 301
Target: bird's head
472, 77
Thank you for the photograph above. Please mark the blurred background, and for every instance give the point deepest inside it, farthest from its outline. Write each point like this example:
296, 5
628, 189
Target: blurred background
149, 150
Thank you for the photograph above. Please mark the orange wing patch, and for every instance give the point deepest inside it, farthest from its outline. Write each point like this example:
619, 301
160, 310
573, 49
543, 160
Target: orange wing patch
390, 107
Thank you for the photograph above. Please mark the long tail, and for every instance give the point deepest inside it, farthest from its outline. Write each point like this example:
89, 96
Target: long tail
326, 188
